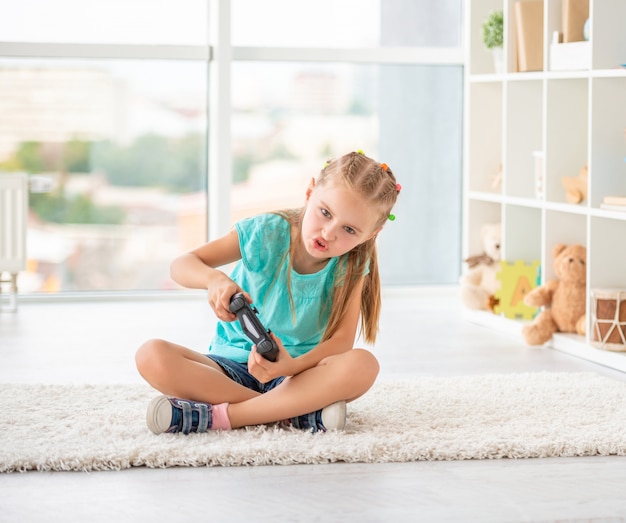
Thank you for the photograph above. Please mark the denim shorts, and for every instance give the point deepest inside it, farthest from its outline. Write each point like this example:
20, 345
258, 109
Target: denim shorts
238, 372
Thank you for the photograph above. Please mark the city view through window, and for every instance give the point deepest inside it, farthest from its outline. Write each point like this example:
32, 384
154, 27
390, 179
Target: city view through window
123, 143
125, 157
127, 162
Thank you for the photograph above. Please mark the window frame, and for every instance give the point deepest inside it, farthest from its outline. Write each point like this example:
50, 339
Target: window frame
219, 55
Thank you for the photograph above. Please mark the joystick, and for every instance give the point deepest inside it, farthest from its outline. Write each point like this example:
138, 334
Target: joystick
252, 327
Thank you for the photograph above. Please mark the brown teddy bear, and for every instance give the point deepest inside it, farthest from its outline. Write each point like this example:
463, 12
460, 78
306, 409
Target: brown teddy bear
480, 283
564, 299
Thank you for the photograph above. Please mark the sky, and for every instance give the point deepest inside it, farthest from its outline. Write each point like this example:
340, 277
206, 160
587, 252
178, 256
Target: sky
103, 21
332, 23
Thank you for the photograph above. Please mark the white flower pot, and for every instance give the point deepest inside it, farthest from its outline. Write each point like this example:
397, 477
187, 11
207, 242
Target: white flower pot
498, 59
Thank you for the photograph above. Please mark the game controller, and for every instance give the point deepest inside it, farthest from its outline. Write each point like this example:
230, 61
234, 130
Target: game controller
253, 328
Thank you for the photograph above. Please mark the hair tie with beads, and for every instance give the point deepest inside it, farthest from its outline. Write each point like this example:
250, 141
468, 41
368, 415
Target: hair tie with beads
385, 168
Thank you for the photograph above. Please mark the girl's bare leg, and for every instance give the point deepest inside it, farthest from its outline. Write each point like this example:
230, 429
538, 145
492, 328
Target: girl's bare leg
345, 376
178, 371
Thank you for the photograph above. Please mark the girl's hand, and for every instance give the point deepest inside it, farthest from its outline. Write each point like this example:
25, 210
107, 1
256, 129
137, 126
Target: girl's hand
265, 370
220, 291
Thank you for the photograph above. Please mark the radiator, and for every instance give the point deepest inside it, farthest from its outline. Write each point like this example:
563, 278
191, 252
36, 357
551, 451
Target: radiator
13, 220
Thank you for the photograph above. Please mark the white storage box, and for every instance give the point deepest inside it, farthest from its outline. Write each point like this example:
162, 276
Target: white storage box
572, 56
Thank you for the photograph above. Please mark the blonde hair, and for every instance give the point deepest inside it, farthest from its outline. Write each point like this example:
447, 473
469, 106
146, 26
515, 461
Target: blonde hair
376, 183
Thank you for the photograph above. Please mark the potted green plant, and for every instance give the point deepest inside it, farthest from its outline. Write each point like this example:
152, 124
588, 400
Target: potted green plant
493, 37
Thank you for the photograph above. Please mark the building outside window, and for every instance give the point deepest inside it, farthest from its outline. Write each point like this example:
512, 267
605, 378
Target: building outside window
113, 110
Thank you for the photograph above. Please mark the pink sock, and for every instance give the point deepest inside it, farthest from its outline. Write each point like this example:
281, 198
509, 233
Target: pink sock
220, 417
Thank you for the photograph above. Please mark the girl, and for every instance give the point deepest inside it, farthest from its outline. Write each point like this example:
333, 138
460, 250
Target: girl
313, 273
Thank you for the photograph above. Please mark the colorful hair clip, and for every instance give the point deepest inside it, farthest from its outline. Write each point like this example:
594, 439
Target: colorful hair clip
360, 151
398, 187
384, 167
391, 217
326, 163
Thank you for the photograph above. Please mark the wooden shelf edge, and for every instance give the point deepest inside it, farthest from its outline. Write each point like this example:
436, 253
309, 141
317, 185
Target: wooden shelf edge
577, 346
567, 343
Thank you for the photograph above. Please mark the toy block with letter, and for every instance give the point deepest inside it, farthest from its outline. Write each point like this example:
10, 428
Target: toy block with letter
516, 280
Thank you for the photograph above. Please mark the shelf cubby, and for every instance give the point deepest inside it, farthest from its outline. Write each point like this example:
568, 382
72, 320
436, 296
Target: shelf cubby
608, 34
567, 132
572, 119
608, 138
524, 136
607, 253
485, 158
482, 213
522, 233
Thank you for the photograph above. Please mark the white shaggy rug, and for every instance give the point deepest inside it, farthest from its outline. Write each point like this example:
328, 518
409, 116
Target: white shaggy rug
53, 427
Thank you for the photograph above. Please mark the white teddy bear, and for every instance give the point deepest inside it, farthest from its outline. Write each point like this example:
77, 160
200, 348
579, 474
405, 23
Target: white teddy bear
479, 284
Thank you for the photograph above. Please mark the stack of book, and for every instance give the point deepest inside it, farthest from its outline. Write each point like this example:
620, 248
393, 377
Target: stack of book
614, 203
574, 14
569, 49
528, 18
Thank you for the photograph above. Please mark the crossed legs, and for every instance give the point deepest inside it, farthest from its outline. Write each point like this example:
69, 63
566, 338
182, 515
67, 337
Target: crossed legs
177, 371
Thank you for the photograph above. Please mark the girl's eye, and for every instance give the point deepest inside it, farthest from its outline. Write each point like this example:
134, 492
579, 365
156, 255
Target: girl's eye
325, 213
349, 230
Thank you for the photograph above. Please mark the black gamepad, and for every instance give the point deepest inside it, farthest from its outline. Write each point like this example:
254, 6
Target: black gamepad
253, 328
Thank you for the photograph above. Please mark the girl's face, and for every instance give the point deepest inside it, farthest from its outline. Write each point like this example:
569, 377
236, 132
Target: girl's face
336, 220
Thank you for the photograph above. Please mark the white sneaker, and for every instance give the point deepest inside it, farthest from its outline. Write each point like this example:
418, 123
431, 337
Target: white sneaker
334, 416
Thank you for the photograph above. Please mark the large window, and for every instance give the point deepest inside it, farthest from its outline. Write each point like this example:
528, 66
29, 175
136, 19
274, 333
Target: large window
297, 115
381, 76
107, 100
147, 22
319, 24
112, 109
122, 144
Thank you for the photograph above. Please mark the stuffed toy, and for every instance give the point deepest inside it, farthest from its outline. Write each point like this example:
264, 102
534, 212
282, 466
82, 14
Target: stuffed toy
564, 299
479, 284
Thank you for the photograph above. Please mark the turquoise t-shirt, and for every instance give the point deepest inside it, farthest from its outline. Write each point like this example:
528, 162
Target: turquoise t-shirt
262, 272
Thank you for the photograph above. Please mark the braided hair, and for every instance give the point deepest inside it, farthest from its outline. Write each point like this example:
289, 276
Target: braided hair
377, 185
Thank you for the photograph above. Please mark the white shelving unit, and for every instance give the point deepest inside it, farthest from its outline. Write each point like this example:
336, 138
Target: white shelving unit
575, 118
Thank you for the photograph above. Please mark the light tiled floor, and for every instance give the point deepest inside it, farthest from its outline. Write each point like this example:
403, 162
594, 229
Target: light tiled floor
422, 333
